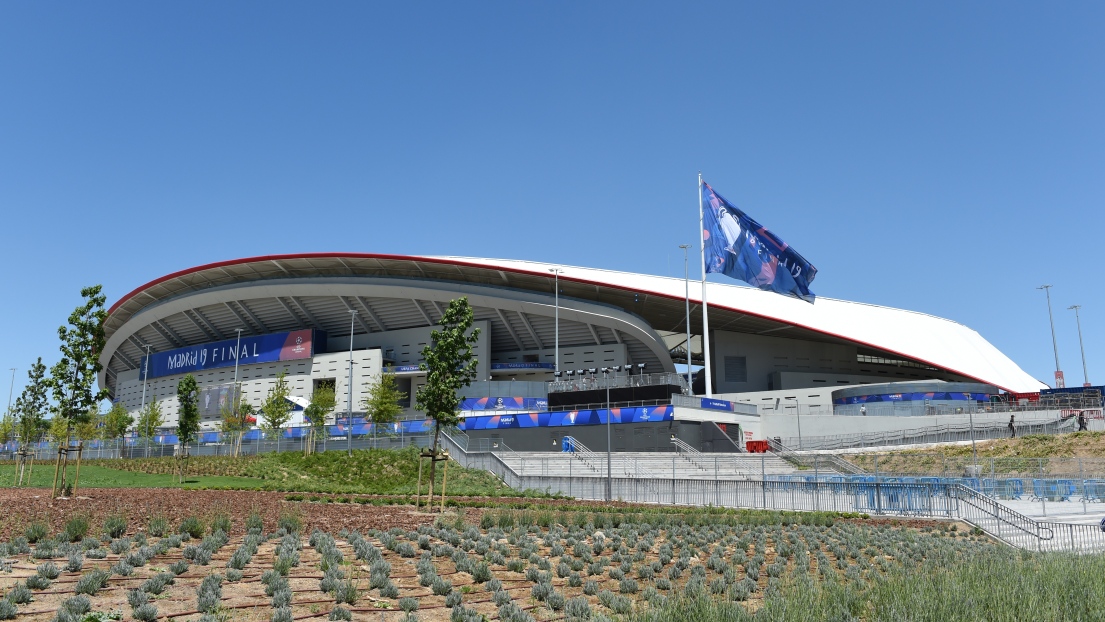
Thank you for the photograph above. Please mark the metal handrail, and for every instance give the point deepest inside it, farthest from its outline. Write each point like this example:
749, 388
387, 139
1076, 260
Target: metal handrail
929, 434
688, 453
616, 381
580, 451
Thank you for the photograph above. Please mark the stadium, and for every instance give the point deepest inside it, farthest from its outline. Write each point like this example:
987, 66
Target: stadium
560, 347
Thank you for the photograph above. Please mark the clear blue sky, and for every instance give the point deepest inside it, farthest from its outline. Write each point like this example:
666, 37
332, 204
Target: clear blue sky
944, 157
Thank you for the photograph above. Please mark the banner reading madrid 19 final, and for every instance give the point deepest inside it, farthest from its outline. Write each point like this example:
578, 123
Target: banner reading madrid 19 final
742, 248
258, 349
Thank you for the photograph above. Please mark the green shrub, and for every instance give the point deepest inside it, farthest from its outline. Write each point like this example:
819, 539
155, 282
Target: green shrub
158, 526
115, 526
192, 526
222, 523
76, 528
35, 531
290, 523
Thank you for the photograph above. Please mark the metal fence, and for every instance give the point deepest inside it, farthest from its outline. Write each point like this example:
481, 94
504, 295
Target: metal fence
141, 448
931, 434
615, 381
927, 500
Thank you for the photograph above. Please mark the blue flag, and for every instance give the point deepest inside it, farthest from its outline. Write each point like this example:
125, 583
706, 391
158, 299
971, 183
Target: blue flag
742, 248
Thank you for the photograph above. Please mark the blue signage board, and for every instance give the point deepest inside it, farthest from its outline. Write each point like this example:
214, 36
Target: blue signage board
505, 403
401, 369
641, 414
499, 366
286, 346
713, 404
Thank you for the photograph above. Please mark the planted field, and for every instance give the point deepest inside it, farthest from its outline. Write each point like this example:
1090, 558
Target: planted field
508, 565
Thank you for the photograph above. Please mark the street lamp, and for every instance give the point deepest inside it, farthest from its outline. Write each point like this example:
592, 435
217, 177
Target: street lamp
556, 296
349, 405
687, 300
1085, 376
1059, 382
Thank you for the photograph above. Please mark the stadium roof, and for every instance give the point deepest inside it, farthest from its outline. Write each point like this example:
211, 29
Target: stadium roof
908, 335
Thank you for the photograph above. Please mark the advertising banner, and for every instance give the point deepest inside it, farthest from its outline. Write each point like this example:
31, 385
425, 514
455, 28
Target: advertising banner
913, 397
568, 418
505, 403
498, 366
288, 346
212, 399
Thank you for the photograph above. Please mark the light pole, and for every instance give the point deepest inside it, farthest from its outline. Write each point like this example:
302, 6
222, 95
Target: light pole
687, 300
11, 388
798, 413
1059, 382
349, 406
237, 392
1085, 376
609, 459
145, 377
556, 296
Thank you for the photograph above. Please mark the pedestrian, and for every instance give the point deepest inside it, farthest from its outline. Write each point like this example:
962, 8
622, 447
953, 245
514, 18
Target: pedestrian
1082, 422
863, 410
1012, 427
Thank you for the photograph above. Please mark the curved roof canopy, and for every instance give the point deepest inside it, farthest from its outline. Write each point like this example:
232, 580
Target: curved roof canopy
915, 337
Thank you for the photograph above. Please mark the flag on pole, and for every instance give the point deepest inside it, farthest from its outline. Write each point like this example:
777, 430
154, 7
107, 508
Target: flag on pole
739, 247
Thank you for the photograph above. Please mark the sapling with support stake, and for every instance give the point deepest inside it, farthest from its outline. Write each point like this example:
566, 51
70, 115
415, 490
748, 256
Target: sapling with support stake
450, 366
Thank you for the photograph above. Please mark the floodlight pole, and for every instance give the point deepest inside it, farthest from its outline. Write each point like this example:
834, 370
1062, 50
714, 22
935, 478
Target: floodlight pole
145, 378
237, 396
1085, 375
609, 459
556, 296
11, 388
1059, 383
798, 413
687, 301
349, 406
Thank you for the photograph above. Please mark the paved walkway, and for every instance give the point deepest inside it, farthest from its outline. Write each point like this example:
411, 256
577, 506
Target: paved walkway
1059, 512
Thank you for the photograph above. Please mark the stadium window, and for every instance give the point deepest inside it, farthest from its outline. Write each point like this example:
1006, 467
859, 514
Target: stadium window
736, 369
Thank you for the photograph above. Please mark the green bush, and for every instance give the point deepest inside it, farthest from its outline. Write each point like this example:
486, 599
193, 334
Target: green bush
192, 526
76, 528
115, 526
35, 531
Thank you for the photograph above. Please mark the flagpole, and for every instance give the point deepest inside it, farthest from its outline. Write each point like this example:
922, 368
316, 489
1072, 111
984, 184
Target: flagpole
705, 316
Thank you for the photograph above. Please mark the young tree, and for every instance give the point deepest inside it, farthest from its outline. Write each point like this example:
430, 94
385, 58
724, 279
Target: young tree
32, 404
322, 404
73, 377
89, 426
149, 421
59, 429
116, 423
276, 411
188, 420
188, 417
7, 427
450, 367
382, 402
234, 423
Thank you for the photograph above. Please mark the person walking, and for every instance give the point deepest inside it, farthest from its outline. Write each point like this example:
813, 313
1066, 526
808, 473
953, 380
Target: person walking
1012, 427
863, 411
1082, 422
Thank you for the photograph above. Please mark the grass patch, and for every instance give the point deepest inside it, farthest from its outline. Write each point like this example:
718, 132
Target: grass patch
370, 471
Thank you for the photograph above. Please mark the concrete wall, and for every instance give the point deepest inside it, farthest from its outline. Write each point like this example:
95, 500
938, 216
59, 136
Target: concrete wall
654, 436
778, 363
256, 380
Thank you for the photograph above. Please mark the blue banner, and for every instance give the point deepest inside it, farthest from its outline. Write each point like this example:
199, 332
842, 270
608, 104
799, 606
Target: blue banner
642, 414
914, 397
742, 248
499, 366
505, 403
258, 349
713, 404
